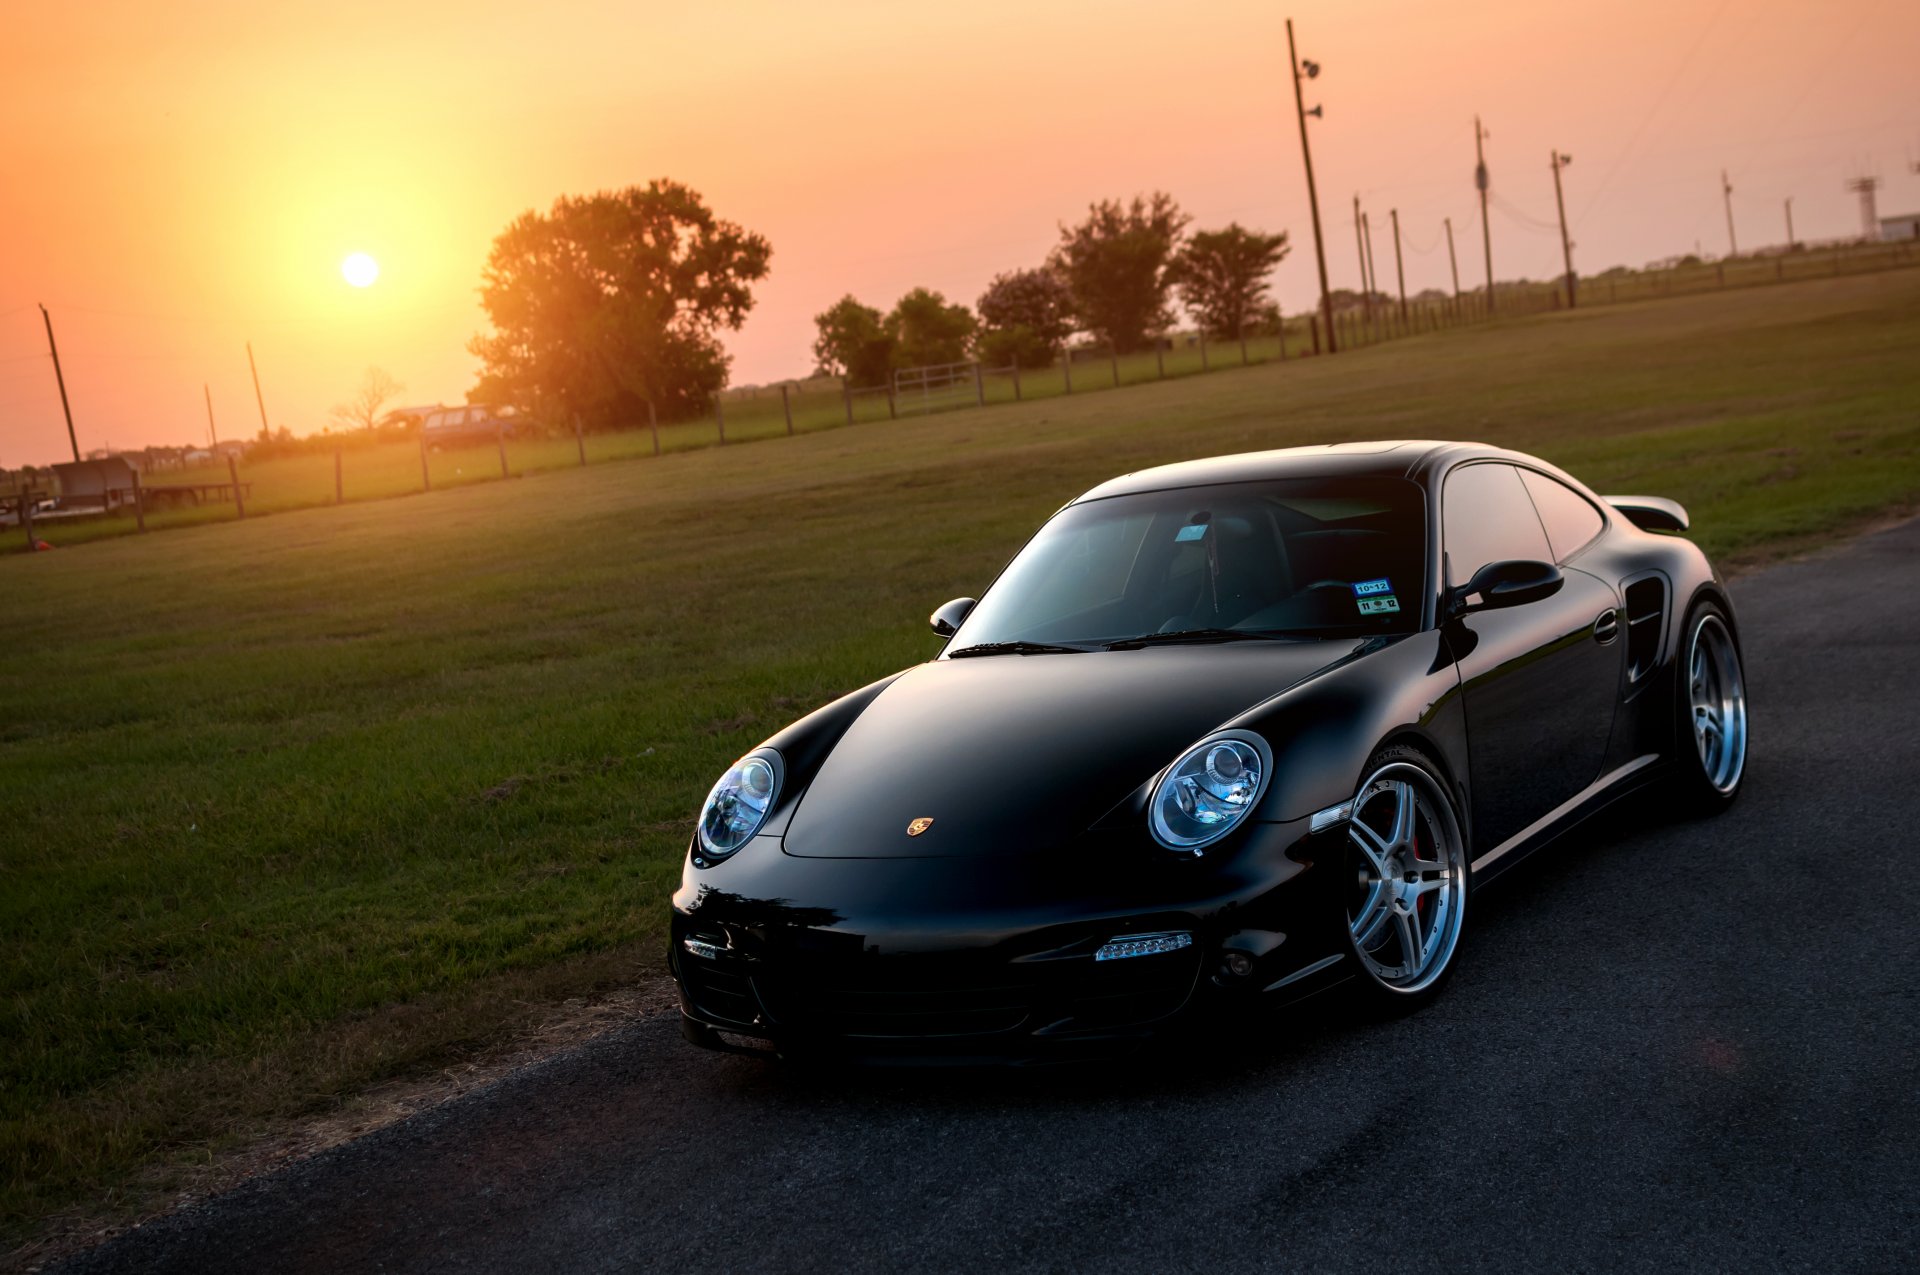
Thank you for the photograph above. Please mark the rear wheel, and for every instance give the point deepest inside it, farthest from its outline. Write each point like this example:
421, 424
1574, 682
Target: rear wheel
1711, 740
1407, 902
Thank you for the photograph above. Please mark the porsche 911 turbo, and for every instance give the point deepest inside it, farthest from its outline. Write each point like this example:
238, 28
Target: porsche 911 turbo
1222, 735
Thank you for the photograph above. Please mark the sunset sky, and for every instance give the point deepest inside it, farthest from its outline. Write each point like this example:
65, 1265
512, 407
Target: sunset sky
182, 178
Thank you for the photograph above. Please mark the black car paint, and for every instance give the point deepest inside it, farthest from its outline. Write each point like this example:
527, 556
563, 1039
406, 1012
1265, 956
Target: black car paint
1530, 711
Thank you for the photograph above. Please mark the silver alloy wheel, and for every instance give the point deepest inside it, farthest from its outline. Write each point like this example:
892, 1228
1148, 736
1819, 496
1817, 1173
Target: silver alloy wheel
1717, 697
1410, 896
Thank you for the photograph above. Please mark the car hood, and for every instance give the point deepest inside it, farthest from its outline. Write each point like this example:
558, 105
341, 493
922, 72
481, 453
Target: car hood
1014, 754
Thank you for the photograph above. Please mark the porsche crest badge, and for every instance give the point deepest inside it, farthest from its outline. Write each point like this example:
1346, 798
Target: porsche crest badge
918, 826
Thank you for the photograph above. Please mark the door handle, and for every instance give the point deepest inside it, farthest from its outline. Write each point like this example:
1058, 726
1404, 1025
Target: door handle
1607, 627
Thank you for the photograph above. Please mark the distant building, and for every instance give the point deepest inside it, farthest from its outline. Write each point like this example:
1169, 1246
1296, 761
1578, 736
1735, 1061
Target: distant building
1905, 226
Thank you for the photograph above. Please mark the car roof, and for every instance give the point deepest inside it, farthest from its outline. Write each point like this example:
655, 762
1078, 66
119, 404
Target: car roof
1416, 459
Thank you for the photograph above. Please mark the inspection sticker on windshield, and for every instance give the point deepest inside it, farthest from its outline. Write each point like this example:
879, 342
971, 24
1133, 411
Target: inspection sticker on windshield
1377, 606
1367, 588
1192, 531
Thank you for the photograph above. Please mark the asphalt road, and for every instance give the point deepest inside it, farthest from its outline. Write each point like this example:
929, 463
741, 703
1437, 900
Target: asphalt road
1668, 1046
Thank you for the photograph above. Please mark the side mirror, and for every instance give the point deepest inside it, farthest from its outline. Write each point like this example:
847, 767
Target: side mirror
1508, 584
946, 621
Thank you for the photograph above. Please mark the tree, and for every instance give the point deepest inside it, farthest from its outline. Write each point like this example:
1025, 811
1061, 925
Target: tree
1222, 276
926, 330
1025, 316
1115, 265
854, 343
369, 402
613, 301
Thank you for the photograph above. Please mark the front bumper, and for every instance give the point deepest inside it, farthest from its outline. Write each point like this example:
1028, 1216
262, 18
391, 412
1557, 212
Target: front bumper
994, 959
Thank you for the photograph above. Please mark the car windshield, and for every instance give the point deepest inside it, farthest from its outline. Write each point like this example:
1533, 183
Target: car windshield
1305, 558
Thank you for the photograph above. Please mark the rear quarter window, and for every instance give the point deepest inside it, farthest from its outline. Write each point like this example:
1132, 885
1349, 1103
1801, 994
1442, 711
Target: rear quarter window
1570, 519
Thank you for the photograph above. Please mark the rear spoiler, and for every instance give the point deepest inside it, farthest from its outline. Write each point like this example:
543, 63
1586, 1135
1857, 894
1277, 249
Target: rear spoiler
1651, 513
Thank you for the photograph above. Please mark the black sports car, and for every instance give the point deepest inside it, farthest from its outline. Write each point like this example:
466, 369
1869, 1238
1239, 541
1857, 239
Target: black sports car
1223, 734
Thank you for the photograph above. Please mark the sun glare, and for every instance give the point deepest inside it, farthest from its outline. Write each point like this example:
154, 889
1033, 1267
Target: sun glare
360, 269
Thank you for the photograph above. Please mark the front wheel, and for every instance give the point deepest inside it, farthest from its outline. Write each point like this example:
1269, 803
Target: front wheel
1408, 899
1712, 702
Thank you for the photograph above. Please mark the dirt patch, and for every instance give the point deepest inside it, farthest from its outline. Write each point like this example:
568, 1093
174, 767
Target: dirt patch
728, 725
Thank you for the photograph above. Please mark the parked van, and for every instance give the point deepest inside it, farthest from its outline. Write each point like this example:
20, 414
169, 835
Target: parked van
465, 424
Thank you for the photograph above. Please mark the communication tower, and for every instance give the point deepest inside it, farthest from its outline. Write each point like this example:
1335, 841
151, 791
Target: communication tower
1869, 213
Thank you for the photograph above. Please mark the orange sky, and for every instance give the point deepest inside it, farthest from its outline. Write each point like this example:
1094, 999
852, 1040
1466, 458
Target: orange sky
184, 177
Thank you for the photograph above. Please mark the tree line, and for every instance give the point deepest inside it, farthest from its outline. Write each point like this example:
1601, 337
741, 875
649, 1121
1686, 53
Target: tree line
1113, 278
610, 306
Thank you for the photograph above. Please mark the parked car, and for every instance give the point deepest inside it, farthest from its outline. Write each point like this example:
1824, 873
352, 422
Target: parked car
1223, 734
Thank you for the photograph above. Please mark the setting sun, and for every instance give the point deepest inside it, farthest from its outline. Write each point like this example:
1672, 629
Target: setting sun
360, 269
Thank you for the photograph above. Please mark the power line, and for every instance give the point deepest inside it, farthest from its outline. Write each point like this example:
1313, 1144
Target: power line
1698, 42
1523, 218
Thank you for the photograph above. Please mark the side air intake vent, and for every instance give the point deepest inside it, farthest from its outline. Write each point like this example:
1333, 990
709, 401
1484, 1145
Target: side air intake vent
1646, 621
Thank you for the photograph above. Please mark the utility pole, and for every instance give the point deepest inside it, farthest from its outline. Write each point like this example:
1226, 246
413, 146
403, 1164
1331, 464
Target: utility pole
1373, 275
1726, 193
1306, 154
1453, 262
212, 434
1360, 246
1789, 223
1481, 180
1560, 200
254, 368
1399, 269
61, 379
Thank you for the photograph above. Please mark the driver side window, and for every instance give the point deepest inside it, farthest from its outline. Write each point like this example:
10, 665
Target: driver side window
1487, 516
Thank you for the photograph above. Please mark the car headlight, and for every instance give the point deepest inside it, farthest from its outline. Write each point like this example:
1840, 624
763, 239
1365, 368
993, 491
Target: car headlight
1210, 790
739, 803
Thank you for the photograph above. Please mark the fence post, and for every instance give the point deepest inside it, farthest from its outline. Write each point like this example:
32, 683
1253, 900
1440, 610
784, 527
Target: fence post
500, 441
786, 406
338, 498
579, 440
653, 424
846, 393
1159, 359
139, 503
720, 416
979, 386
26, 514
1113, 355
233, 474
426, 479
893, 403
1016, 378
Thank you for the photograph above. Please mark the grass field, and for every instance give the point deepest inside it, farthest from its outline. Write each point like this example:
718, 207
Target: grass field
295, 804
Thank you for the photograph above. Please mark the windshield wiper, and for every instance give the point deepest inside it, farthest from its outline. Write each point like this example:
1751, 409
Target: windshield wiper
1178, 637
1015, 648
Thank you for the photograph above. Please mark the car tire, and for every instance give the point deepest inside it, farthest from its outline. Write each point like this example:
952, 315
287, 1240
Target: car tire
1406, 820
1711, 734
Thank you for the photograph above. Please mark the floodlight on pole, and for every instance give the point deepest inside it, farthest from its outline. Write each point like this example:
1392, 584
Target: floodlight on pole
1311, 70
1560, 161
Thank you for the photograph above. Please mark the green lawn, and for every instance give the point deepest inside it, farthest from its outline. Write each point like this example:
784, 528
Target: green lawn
295, 804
